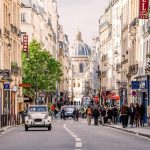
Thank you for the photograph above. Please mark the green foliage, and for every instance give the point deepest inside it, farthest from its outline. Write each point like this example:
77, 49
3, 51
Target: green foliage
40, 70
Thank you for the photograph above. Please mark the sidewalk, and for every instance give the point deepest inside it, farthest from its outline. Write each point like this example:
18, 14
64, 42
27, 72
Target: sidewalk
143, 131
4, 129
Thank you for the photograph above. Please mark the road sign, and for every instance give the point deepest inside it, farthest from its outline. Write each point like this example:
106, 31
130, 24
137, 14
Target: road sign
135, 85
25, 85
6, 86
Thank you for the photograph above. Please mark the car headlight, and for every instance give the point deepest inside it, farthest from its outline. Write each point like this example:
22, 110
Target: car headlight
29, 116
46, 116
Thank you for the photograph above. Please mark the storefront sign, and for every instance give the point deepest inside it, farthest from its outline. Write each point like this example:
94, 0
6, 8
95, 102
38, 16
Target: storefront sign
25, 85
25, 43
143, 9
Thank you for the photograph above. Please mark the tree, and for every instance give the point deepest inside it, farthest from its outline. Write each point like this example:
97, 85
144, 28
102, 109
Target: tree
40, 70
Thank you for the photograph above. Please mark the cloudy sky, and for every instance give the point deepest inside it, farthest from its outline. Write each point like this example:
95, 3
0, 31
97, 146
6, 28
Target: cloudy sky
82, 14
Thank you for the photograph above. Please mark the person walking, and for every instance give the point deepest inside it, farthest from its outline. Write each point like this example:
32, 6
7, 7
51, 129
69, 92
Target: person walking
137, 115
109, 114
124, 116
131, 114
77, 114
115, 115
142, 114
89, 114
103, 114
96, 115
62, 114
74, 114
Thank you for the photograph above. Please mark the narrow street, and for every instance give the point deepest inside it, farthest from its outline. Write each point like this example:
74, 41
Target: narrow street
70, 135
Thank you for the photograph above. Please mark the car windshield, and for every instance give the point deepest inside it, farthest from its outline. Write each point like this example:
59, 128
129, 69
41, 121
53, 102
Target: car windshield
69, 109
37, 109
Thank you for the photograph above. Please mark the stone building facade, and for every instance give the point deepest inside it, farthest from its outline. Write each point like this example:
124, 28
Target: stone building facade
11, 100
79, 53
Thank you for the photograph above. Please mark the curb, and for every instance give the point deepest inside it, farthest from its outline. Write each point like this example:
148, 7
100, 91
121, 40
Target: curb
132, 132
7, 128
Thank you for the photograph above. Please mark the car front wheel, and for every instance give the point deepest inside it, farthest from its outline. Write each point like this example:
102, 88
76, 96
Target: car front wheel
49, 127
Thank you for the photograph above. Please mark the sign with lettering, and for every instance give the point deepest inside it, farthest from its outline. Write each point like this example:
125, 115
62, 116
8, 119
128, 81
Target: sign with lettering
25, 85
143, 9
25, 43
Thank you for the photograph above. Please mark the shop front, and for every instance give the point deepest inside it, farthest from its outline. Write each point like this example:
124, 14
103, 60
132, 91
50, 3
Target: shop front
143, 93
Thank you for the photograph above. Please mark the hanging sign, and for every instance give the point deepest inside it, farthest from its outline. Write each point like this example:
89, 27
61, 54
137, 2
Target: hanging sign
25, 43
143, 9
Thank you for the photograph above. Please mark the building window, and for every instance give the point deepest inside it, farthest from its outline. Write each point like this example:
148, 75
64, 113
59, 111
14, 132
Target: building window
23, 17
78, 84
74, 84
81, 68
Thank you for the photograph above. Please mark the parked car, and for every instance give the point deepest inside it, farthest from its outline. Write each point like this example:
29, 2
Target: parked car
69, 111
38, 116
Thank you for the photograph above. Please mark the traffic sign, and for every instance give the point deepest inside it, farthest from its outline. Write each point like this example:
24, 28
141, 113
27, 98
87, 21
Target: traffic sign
25, 85
6, 86
135, 85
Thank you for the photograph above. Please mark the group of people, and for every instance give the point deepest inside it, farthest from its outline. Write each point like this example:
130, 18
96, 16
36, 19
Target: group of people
132, 115
102, 114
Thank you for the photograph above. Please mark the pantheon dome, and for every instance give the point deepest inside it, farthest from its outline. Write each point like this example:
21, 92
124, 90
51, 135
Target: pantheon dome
79, 48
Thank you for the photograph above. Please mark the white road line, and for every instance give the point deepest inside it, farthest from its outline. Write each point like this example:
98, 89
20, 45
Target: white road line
79, 144
78, 139
75, 136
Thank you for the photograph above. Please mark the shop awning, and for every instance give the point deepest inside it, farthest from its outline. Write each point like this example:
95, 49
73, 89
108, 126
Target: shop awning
115, 97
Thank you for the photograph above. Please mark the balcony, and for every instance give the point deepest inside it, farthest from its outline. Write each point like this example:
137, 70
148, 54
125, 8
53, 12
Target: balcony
15, 69
15, 30
133, 70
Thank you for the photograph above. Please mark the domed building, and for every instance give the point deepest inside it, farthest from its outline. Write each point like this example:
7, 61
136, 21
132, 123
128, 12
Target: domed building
79, 60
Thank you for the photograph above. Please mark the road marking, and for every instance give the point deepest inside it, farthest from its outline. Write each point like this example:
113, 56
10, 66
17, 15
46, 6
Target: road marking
75, 136
78, 139
79, 144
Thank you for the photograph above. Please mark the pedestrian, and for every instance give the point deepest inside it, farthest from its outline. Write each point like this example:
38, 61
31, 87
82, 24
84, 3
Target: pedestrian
103, 114
77, 114
89, 114
142, 114
115, 115
124, 116
109, 114
74, 114
62, 114
96, 115
131, 114
137, 115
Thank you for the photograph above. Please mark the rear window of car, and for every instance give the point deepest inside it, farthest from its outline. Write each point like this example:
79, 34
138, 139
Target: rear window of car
37, 109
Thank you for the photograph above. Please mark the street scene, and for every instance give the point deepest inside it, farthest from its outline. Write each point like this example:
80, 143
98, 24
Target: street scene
74, 74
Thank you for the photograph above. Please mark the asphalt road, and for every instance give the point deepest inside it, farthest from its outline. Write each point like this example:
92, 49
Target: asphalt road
70, 135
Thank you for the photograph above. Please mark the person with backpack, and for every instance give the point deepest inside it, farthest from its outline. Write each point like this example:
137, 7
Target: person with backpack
89, 114
96, 115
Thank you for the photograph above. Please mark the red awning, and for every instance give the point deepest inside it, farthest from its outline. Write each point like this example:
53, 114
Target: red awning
115, 97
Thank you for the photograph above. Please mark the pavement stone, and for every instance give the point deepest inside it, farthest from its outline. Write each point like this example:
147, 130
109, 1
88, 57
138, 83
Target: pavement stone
143, 131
